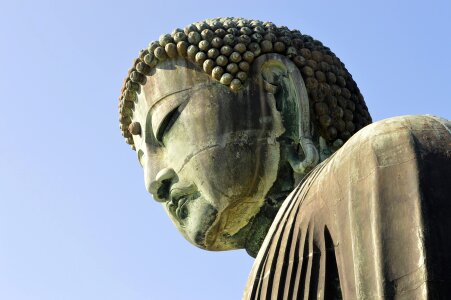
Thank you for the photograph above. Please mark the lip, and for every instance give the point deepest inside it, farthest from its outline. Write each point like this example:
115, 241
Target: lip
179, 206
180, 210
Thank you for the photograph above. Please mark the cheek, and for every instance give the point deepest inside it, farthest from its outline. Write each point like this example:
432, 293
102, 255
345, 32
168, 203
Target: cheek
233, 181
231, 173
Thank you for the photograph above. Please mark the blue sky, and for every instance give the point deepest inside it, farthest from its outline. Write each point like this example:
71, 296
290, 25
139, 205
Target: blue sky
75, 219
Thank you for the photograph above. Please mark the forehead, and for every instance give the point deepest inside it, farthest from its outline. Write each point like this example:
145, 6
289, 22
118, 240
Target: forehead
164, 91
171, 77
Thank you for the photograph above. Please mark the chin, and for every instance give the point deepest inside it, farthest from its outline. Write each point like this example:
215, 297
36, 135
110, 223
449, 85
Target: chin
210, 227
210, 235
197, 228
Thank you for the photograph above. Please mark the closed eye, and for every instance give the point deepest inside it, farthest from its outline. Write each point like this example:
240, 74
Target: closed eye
168, 121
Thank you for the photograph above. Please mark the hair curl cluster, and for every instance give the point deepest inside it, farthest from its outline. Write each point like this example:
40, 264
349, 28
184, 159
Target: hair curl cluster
226, 47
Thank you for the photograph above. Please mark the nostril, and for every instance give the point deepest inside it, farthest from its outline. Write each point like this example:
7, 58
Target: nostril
160, 188
163, 190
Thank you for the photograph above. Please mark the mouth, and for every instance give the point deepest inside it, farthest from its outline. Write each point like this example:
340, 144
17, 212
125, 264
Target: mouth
181, 210
178, 205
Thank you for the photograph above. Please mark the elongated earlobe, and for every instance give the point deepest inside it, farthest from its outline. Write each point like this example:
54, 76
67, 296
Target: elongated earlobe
281, 78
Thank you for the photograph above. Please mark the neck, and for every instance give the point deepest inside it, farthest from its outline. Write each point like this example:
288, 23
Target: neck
259, 228
264, 218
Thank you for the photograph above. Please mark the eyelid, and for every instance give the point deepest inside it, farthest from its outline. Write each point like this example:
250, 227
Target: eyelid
166, 105
166, 113
167, 123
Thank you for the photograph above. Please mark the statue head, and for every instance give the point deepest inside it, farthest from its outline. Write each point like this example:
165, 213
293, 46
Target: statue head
227, 116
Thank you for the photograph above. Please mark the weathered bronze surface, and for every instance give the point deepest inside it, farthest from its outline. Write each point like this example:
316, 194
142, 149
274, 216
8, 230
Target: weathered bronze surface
371, 222
229, 116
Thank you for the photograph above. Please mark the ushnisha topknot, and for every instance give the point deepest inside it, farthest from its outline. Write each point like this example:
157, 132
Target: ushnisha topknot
224, 48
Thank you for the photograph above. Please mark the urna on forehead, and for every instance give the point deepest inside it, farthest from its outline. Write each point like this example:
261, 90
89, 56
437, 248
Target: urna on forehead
225, 48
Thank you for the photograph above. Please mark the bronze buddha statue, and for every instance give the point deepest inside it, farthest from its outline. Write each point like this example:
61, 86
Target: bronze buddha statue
249, 132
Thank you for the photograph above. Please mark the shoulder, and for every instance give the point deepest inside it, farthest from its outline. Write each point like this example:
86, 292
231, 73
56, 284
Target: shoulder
377, 178
402, 127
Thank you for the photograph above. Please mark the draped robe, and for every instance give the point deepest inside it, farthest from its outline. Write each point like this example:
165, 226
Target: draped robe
371, 222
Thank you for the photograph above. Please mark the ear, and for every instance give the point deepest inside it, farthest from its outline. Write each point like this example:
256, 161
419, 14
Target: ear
283, 82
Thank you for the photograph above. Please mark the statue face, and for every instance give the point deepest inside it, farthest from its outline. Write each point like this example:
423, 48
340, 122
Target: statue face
209, 155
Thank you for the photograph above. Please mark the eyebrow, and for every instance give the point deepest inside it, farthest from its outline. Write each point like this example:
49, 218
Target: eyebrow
167, 95
193, 88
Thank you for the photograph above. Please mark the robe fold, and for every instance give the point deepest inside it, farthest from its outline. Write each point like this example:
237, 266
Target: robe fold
371, 222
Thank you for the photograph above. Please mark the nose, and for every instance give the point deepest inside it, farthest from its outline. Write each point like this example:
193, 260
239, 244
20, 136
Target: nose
160, 187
